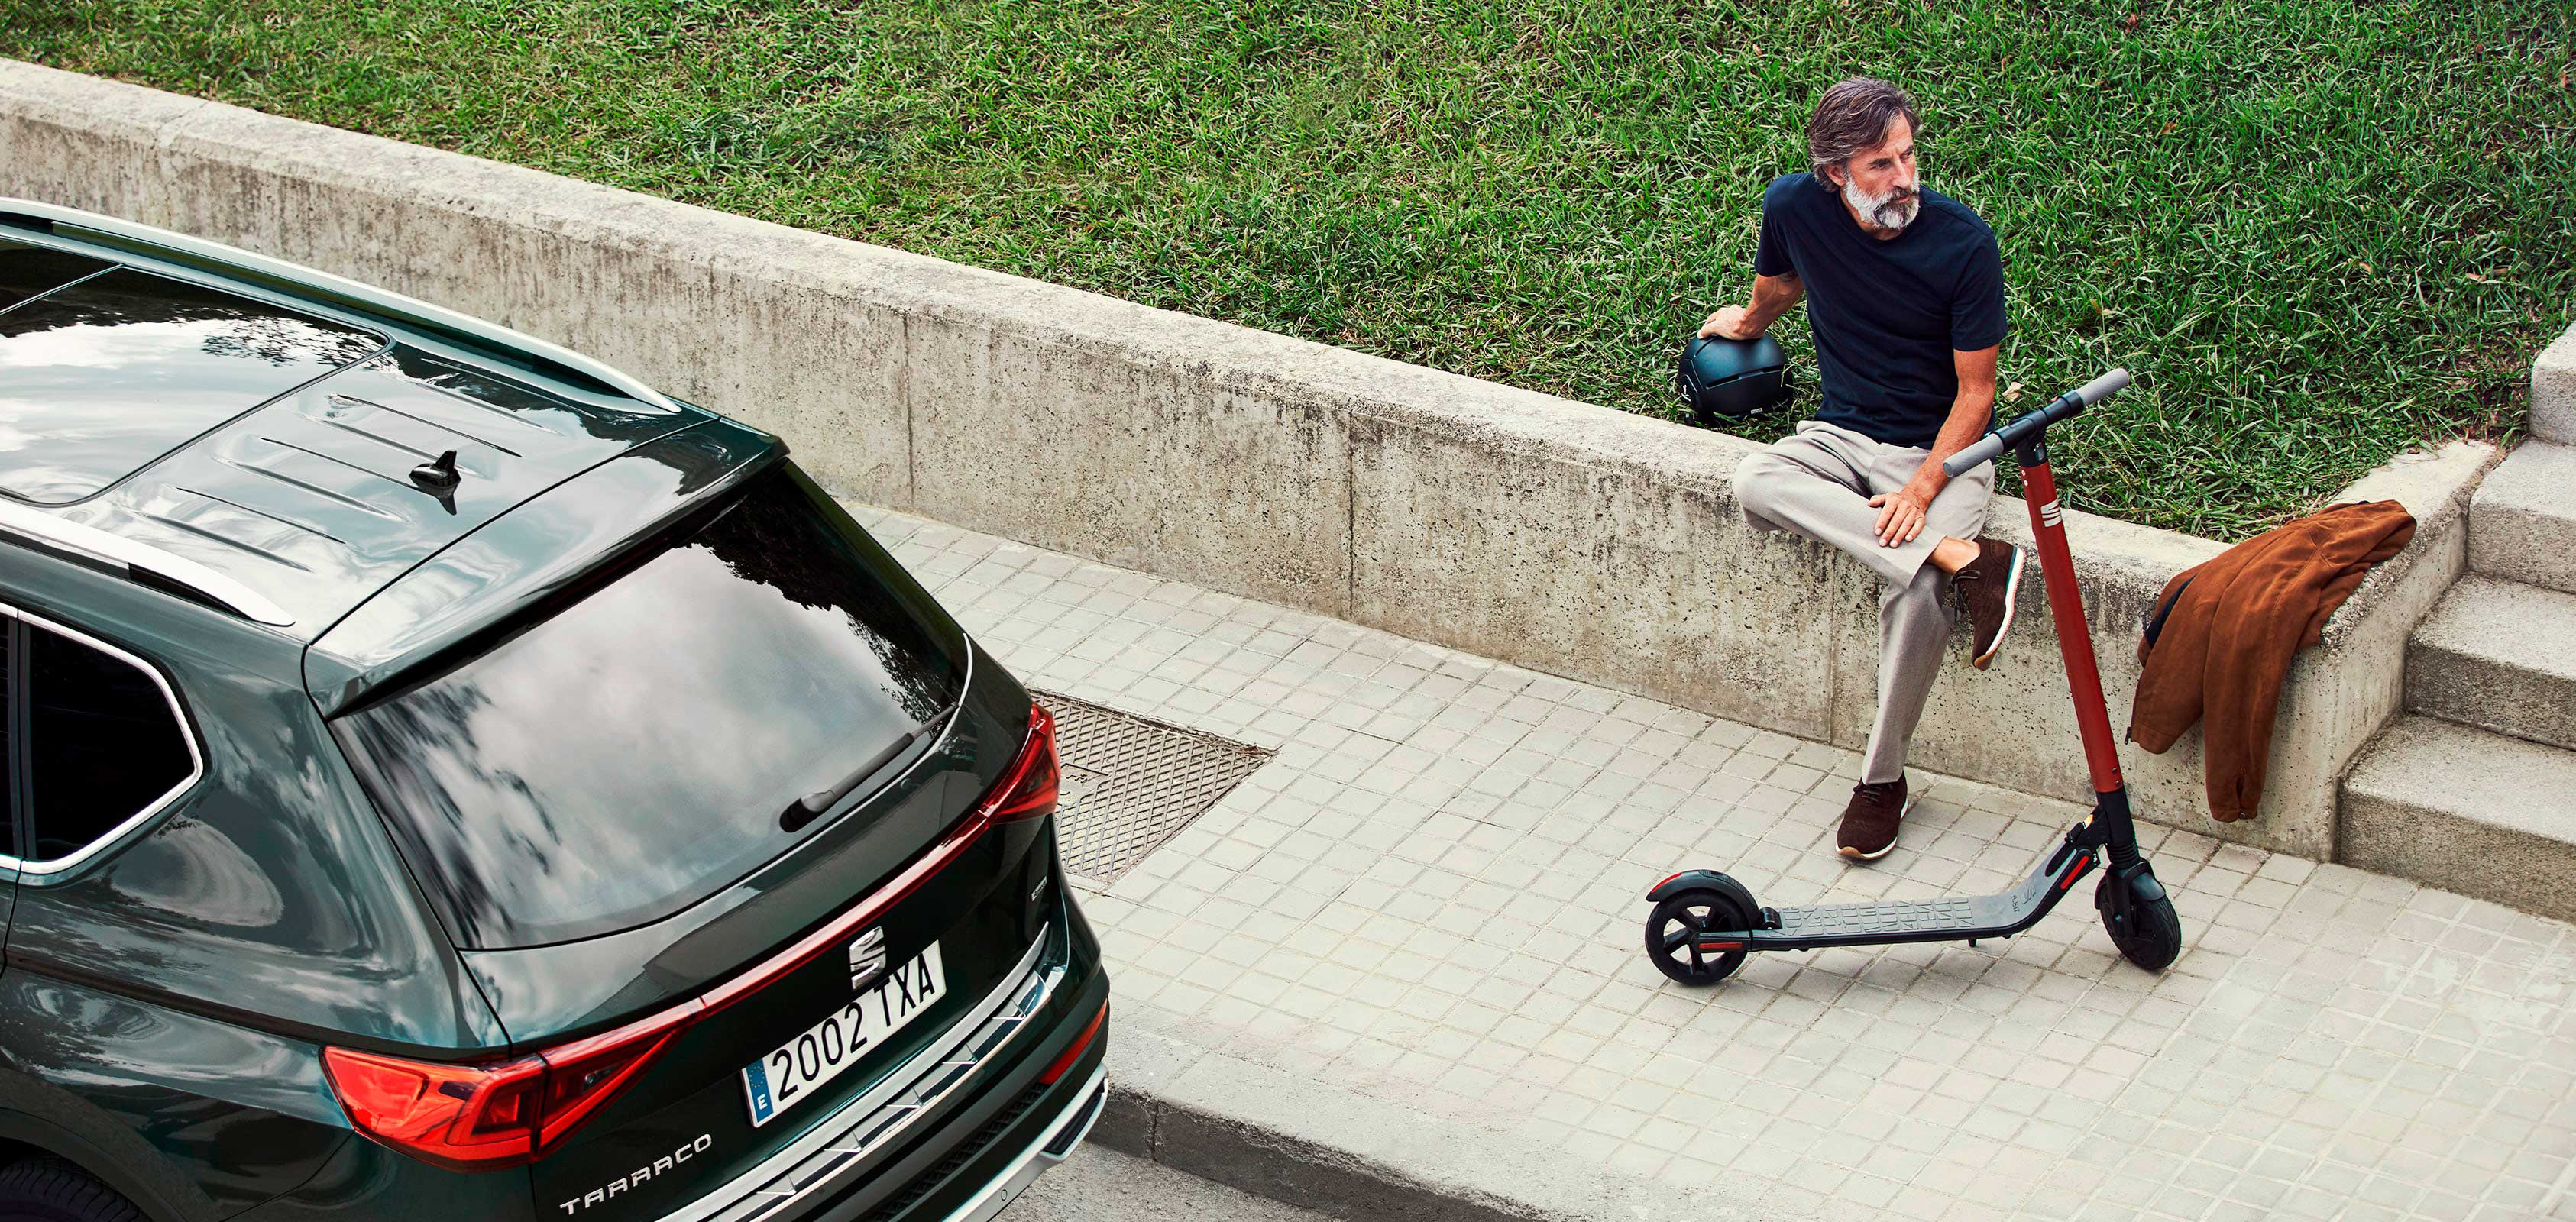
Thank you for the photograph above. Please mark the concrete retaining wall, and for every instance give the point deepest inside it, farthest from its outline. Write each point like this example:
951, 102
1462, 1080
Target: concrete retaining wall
1563, 536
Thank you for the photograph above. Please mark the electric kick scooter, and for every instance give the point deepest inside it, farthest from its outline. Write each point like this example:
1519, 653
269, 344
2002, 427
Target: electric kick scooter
1704, 923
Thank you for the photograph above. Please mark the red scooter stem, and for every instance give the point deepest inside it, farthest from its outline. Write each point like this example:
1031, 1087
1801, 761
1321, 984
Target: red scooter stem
2074, 635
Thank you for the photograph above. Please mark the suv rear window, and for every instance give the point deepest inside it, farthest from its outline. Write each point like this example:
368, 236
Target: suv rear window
634, 752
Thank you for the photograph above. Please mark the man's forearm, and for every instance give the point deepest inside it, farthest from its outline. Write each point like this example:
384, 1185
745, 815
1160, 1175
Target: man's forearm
1969, 415
1971, 407
1772, 297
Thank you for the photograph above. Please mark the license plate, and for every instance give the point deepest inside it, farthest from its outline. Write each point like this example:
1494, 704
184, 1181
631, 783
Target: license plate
799, 1067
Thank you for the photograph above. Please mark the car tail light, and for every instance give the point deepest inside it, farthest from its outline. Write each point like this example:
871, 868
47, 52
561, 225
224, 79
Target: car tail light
1027, 789
462, 1117
491, 1116
488, 1117
582, 1076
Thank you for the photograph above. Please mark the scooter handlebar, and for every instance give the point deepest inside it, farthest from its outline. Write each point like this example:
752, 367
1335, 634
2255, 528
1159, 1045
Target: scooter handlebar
2103, 387
1977, 453
2063, 407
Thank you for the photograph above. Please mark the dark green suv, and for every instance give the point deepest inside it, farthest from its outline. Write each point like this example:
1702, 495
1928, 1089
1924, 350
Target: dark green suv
448, 779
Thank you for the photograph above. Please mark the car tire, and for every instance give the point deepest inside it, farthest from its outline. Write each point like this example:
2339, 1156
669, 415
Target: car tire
52, 1190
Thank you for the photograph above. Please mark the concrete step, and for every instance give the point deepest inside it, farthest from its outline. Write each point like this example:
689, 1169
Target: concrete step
2501, 656
2466, 810
2553, 390
2522, 521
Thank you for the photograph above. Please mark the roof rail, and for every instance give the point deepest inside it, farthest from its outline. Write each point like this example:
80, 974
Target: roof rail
136, 557
365, 299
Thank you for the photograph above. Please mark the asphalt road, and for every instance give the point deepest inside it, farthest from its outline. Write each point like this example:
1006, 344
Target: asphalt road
1097, 1185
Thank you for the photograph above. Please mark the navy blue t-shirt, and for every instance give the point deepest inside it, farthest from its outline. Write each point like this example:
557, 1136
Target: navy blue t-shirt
1886, 314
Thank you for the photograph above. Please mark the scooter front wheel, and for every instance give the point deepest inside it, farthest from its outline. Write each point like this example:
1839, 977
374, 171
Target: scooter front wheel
2152, 936
1674, 929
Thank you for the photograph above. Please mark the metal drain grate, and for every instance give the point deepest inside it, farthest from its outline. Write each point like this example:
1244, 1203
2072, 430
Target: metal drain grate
1130, 783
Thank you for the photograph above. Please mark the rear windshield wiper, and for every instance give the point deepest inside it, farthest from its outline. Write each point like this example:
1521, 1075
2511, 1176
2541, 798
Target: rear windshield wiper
803, 810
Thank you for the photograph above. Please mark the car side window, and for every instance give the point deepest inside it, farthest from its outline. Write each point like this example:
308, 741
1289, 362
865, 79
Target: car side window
105, 742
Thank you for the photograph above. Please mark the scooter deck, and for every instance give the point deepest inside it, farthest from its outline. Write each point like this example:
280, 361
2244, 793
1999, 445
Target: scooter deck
1947, 919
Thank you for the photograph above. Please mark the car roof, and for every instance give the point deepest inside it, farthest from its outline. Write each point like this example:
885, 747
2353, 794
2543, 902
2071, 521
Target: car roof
201, 419
111, 371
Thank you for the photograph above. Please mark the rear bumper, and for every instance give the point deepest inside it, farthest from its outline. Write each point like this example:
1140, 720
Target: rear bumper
1061, 1134
976, 1125
984, 1156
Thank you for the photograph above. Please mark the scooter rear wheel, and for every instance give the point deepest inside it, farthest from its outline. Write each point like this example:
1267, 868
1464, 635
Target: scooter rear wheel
2154, 937
1673, 929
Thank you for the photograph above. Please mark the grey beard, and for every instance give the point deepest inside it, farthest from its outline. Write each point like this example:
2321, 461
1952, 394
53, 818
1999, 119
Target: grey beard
1883, 210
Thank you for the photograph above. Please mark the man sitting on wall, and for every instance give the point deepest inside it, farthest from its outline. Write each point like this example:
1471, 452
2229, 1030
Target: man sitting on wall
1905, 298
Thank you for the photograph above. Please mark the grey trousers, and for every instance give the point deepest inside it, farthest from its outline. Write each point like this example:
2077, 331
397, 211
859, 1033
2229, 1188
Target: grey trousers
1817, 482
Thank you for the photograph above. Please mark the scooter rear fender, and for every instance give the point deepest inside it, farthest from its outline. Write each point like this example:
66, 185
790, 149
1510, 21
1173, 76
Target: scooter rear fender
1688, 880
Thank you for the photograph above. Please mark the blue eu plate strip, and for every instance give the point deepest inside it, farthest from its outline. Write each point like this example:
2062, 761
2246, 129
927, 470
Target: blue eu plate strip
756, 1076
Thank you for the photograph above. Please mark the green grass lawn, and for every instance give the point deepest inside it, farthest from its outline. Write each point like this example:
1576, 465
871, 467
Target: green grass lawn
2318, 230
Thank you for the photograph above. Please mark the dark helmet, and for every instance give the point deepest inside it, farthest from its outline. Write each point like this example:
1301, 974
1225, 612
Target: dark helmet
1729, 379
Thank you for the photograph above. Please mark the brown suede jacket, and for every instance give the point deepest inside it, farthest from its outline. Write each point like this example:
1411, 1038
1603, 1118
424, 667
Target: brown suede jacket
2219, 643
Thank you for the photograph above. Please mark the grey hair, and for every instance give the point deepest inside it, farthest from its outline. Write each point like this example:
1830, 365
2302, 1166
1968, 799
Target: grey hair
1854, 116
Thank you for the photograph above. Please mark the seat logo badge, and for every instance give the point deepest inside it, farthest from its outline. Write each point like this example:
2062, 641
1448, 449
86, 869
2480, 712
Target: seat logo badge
867, 957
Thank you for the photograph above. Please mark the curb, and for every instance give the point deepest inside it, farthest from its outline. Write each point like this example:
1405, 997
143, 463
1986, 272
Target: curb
1341, 1153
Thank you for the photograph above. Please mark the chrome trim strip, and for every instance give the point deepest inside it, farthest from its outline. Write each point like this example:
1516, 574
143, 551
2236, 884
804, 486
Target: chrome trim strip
32, 523
1050, 1150
858, 1112
187, 734
382, 301
60, 287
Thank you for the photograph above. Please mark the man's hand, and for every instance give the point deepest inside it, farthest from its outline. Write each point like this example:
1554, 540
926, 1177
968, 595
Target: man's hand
1772, 296
1731, 322
1900, 513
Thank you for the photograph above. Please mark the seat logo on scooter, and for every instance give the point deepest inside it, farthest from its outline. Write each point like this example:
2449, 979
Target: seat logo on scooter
2052, 515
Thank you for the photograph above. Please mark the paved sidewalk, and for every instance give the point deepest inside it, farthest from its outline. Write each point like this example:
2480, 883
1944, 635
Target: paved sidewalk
1432, 896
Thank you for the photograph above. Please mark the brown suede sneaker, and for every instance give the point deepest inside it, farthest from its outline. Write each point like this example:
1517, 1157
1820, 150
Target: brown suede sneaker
1987, 586
1869, 823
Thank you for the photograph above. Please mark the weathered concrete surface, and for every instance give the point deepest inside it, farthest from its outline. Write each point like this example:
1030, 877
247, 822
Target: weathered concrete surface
2524, 524
1563, 536
2481, 814
2501, 656
2553, 391
1596, 542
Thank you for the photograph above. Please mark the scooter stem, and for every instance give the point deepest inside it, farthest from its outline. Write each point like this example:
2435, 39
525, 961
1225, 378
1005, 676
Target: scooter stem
2066, 606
